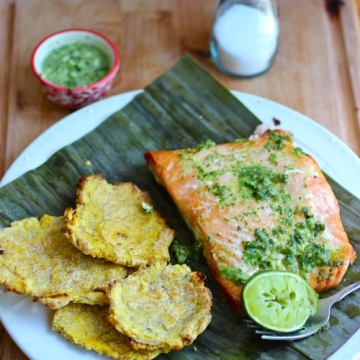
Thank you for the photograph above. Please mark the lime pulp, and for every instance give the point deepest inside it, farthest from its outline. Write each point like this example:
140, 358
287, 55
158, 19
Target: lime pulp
279, 300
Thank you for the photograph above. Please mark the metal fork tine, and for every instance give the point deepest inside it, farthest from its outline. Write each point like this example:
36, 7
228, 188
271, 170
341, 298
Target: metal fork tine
251, 324
266, 332
283, 337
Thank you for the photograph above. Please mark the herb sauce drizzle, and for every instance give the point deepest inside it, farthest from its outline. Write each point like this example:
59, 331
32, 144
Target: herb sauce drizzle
290, 244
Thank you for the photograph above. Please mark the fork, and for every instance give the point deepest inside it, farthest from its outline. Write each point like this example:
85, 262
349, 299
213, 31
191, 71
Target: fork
313, 324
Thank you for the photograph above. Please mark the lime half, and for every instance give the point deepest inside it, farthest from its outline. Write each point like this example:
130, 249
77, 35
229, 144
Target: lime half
279, 300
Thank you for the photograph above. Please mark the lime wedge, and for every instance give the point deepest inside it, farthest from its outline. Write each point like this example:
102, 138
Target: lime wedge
279, 300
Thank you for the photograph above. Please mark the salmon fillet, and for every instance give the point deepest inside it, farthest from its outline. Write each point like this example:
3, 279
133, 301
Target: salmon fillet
257, 204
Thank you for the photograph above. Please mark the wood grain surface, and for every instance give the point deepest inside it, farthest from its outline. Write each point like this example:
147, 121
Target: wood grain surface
316, 71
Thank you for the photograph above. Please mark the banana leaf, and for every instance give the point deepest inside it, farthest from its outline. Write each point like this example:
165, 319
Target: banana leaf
181, 108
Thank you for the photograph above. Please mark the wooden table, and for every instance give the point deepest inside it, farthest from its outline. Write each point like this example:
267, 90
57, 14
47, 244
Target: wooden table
317, 68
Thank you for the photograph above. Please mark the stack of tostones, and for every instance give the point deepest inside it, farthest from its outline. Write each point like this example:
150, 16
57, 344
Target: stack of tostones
36, 259
153, 309
157, 309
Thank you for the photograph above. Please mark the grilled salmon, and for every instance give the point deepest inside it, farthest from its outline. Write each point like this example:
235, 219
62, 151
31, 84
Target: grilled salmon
257, 204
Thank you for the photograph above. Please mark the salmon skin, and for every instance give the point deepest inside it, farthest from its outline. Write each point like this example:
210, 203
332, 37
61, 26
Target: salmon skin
257, 204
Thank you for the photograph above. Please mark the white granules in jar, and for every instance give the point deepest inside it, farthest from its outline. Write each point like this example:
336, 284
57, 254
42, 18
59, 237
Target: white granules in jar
246, 40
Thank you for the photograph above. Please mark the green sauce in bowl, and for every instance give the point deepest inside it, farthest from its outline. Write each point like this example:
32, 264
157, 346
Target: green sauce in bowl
75, 65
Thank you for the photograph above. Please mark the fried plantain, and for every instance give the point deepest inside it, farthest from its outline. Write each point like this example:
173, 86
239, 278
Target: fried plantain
161, 306
36, 259
87, 326
117, 222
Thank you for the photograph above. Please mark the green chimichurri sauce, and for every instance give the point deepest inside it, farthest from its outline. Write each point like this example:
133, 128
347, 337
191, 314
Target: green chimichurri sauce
276, 141
260, 181
180, 252
75, 65
294, 240
183, 253
233, 274
298, 246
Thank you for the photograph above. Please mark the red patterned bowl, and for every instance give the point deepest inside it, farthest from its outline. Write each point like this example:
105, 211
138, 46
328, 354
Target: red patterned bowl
75, 97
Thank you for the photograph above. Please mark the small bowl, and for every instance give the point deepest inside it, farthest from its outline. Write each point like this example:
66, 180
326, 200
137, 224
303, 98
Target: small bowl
75, 97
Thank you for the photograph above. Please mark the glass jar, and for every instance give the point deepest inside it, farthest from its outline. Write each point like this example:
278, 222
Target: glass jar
245, 36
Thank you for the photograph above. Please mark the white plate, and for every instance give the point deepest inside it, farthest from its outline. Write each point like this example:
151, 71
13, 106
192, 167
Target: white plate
29, 323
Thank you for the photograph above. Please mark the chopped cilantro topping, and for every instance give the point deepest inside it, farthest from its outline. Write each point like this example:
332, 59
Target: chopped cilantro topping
276, 141
181, 252
296, 245
205, 145
232, 274
260, 181
273, 159
299, 151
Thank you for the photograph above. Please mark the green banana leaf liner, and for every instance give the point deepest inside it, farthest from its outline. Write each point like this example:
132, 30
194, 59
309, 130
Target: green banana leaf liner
181, 108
